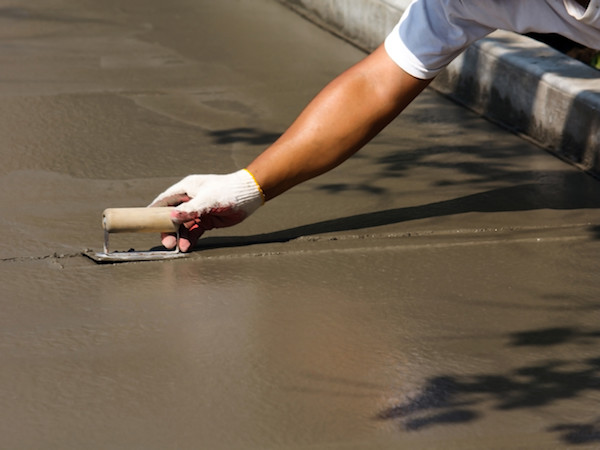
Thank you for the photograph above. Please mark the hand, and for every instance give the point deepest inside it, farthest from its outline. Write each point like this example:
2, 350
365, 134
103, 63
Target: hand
204, 202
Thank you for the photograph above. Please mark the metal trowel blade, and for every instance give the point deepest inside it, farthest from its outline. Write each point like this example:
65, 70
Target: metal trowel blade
119, 257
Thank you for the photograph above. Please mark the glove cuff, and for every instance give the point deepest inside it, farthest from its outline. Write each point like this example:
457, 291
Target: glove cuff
260, 191
248, 193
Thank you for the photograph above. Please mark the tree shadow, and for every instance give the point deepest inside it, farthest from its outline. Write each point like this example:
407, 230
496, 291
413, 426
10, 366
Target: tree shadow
584, 433
503, 101
448, 399
245, 135
475, 166
552, 336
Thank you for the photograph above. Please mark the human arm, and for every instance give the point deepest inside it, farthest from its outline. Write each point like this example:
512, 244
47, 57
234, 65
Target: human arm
359, 103
341, 119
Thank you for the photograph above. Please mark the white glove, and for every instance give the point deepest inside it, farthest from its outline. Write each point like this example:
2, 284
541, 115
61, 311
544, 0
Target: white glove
204, 202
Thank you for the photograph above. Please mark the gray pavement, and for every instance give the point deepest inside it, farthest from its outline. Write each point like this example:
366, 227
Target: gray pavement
438, 290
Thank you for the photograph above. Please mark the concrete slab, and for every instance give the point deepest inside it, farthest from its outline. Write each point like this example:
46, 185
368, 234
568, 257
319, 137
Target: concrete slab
439, 290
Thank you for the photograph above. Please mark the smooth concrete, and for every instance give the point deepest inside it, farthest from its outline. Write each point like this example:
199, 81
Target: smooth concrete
556, 101
438, 290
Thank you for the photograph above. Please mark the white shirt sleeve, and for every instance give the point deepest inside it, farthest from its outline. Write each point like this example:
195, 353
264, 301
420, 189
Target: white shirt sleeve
431, 33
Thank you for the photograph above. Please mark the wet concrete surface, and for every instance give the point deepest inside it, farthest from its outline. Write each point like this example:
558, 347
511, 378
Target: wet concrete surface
439, 290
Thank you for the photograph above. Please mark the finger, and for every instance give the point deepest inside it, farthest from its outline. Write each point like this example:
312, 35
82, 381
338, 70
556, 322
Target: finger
168, 240
189, 233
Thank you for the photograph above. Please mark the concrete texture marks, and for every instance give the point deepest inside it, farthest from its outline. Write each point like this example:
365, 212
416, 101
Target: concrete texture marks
556, 102
439, 290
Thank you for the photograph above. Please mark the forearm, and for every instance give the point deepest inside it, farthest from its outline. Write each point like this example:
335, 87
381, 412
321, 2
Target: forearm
342, 118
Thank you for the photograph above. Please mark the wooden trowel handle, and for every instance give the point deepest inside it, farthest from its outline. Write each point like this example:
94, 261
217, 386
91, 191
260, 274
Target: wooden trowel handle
135, 220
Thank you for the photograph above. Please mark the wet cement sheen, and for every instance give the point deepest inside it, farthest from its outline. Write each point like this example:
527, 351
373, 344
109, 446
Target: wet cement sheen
439, 290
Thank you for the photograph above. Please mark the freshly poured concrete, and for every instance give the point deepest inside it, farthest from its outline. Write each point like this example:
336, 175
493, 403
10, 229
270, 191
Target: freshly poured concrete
439, 290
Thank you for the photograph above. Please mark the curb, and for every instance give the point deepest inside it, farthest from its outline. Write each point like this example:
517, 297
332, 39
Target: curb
555, 103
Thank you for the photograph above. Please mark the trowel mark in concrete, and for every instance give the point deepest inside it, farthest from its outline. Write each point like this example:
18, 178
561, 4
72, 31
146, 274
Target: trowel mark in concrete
213, 110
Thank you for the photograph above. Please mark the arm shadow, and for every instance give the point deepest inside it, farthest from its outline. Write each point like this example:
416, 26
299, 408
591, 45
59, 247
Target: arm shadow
576, 191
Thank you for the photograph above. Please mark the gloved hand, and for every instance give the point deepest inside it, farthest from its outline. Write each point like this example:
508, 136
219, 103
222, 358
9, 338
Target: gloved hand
204, 202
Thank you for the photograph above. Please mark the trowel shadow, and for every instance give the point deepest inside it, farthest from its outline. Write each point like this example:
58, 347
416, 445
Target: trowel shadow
577, 192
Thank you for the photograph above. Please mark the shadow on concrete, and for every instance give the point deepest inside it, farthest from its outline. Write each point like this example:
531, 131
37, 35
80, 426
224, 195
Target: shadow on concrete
447, 399
512, 104
244, 135
474, 164
584, 433
524, 197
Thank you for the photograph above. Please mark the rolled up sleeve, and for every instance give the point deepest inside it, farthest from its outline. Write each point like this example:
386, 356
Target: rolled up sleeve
430, 34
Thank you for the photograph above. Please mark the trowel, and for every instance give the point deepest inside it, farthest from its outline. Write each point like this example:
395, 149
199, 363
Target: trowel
136, 220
